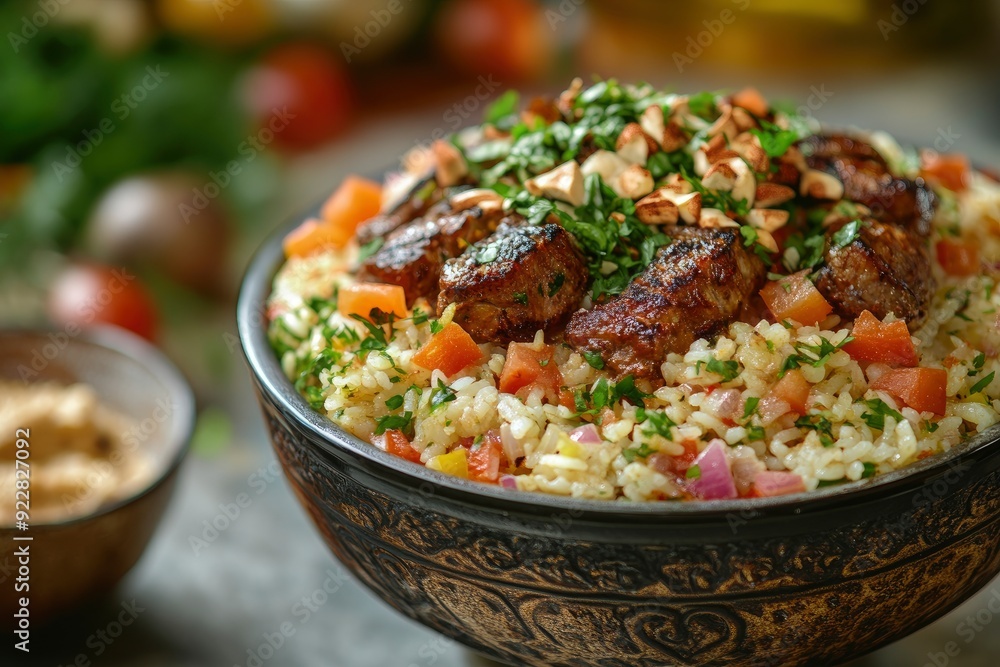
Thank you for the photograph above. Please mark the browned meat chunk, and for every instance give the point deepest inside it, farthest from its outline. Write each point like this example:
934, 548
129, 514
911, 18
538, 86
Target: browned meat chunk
886, 268
693, 288
867, 180
382, 225
414, 255
521, 279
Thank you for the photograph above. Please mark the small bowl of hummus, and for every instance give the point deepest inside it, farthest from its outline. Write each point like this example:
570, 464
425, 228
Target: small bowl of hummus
93, 427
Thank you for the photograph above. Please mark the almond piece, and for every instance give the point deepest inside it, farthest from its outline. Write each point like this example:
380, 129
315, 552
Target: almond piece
657, 208
652, 123
678, 184
480, 197
564, 183
745, 188
720, 176
604, 163
743, 120
713, 218
772, 194
748, 147
765, 239
633, 183
689, 206
768, 219
450, 167
674, 137
821, 185
629, 135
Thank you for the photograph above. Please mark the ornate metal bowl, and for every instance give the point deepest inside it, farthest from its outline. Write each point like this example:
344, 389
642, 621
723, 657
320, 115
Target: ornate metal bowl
812, 579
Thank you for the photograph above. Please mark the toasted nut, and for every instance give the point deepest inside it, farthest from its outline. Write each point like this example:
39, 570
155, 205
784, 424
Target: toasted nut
565, 183
689, 205
419, 160
568, 97
713, 218
657, 208
772, 194
720, 176
745, 188
652, 123
713, 147
744, 121
476, 197
450, 167
794, 157
765, 239
751, 100
678, 184
701, 163
768, 219
634, 182
821, 185
674, 137
618, 217
629, 137
634, 151
604, 163
748, 147
724, 124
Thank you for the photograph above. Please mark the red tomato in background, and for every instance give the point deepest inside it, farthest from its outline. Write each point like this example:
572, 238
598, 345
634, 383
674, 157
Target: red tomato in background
506, 39
86, 294
309, 84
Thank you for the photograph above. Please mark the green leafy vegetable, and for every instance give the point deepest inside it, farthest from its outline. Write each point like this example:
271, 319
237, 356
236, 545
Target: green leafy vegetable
403, 422
879, 410
440, 395
983, 383
750, 407
594, 359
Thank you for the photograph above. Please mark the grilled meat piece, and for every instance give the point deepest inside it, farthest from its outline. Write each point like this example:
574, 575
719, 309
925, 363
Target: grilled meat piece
384, 224
867, 180
521, 279
414, 255
691, 289
887, 268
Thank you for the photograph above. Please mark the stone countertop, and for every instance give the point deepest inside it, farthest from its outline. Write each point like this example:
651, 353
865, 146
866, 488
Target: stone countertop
215, 603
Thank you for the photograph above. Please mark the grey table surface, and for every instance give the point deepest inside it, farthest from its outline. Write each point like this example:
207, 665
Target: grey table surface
216, 604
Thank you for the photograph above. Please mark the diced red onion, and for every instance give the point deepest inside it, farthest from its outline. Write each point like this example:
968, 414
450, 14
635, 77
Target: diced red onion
745, 470
586, 435
716, 479
512, 447
724, 404
769, 483
508, 482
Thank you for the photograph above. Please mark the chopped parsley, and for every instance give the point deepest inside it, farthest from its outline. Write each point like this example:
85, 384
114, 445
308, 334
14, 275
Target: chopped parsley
703, 105
727, 370
694, 472
403, 422
930, 426
502, 107
846, 235
521, 298
977, 364
879, 409
641, 452
419, 316
773, 139
394, 402
750, 407
436, 326
605, 394
869, 470
370, 248
821, 425
814, 355
755, 433
656, 423
983, 384
440, 395
556, 284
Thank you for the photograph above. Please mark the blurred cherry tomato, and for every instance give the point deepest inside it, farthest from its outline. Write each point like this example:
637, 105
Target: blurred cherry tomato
504, 38
302, 93
86, 294
228, 22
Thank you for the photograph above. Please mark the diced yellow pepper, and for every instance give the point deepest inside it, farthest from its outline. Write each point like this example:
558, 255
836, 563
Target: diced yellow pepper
453, 463
569, 447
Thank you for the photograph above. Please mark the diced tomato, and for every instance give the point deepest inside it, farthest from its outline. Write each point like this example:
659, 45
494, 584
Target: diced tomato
396, 443
950, 170
486, 458
356, 200
310, 236
882, 342
449, 351
923, 389
793, 389
362, 298
795, 297
958, 258
527, 367
567, 399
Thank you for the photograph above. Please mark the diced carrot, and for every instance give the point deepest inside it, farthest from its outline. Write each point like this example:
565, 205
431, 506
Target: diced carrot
362, 298
958, 258
527, 367
396, 443
950, 170
887, 343
486, 458
793, 389
795, 297
356, 200
923, 389
449, 351
751, 100
310, 236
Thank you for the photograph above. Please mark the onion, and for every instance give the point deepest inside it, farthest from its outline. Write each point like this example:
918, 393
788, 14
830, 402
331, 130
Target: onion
512, 447
745, 470
724, 404
770, 483
586, 435
716, 479
770, 408
508, 482
875, 371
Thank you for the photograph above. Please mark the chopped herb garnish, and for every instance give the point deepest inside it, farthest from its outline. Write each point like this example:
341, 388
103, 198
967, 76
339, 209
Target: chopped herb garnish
727, 370
441, 394
487, 254
879, 410
983, 384
703, 105
640, 452
419, 316
821, 425
403, 422
657, 423
930, 426
376, 339
750, 407
436, 326
694, 472
370, 248
869, 470
773, 139
556, 284
978, 363
755, 433
521, 298
594, 359
394, 402
503, 106
814, 355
